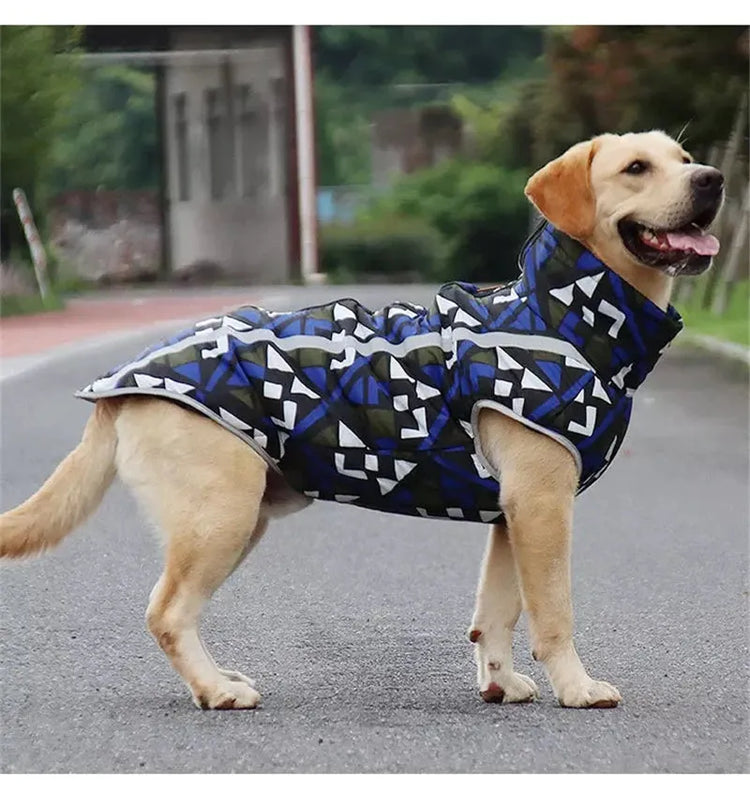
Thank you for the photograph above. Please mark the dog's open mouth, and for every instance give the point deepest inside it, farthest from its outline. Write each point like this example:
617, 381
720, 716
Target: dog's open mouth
686, 250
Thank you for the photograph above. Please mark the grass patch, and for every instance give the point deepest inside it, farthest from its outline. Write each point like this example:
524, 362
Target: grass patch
13, 305
733, 325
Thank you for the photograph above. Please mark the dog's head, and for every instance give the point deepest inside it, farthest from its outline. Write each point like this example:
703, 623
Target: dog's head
633, 199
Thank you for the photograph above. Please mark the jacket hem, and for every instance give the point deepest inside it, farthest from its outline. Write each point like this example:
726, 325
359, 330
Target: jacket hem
187, 401
493, 404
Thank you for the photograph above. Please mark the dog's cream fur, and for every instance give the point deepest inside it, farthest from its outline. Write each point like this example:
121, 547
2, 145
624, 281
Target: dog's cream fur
213, 496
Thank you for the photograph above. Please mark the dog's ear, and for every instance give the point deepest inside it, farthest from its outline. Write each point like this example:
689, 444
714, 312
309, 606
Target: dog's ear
562, 193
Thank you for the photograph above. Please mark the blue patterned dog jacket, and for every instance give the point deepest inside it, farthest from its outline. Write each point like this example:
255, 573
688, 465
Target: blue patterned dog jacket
379, 409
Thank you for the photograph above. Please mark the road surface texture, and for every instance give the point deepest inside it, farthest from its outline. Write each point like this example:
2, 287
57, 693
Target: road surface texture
353, 623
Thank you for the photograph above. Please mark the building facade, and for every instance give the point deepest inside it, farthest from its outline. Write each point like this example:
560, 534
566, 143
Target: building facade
228, 103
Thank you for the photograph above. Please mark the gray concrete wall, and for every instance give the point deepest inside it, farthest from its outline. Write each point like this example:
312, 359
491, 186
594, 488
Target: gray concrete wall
406, 140
245, 230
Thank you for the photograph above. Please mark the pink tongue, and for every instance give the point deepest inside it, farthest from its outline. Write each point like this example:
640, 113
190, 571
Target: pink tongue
700, 244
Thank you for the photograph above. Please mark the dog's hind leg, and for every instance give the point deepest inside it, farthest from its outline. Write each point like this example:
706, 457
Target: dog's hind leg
498, 606
204, 488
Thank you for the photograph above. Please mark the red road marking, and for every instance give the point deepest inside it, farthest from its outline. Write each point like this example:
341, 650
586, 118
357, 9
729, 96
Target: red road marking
85, 318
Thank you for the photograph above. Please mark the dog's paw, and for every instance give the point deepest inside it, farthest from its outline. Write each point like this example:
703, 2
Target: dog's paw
229, 695
514, 687
589, 694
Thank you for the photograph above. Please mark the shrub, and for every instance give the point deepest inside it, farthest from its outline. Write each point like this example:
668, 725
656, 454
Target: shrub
387, 248
478, 208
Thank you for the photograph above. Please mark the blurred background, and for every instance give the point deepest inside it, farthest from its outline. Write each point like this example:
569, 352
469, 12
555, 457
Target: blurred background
340, 154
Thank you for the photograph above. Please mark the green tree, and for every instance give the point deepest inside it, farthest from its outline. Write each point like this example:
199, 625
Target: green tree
109, 138
376, 55
342, 135
477, 207
632, 78
357, 69
35, 90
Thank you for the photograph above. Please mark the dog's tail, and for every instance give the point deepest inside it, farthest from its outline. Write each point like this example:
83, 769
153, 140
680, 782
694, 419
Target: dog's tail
69, 495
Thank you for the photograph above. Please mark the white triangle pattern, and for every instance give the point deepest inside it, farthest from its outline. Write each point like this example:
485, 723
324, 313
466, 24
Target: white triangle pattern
599, 391
504, 361
178, 387
362, 331
341, 312
444, 305
531, 381
425, 392
397, 310
299, 388
144, 381
235, 324
466, 318
589, 283
276, 361
235, 422
564, 294
403, 468
398, 372
348, 439
386, 485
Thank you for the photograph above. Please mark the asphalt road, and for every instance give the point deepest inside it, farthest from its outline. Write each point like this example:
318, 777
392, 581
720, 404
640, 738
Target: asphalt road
353, 623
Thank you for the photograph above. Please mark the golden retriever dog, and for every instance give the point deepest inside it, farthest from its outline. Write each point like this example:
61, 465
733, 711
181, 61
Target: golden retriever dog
631, 210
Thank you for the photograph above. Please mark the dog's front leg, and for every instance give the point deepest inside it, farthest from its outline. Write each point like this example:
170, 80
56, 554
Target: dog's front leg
538, 485
498, 607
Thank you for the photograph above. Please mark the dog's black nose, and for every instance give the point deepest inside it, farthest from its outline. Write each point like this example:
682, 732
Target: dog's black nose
708, 181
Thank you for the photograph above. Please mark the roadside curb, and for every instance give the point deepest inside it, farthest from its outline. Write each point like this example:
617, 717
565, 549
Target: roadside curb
726, 350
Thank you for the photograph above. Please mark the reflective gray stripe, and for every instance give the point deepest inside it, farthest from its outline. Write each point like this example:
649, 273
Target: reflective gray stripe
525, 341
369, 347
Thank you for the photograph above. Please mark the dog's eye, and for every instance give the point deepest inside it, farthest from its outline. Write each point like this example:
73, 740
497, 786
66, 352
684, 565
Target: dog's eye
686, 160
637, 167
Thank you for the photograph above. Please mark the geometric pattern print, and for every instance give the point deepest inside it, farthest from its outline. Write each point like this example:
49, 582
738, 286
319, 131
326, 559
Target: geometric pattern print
378, 409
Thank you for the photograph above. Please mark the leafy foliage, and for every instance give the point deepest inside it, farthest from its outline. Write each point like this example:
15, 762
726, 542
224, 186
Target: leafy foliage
731, 325
109, 139
399, 248
478, 208
362, 69
376, 55
630, 78
342, 136
35, 91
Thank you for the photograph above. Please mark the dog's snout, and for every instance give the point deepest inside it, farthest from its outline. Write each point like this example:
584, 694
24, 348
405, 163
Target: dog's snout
708, 181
